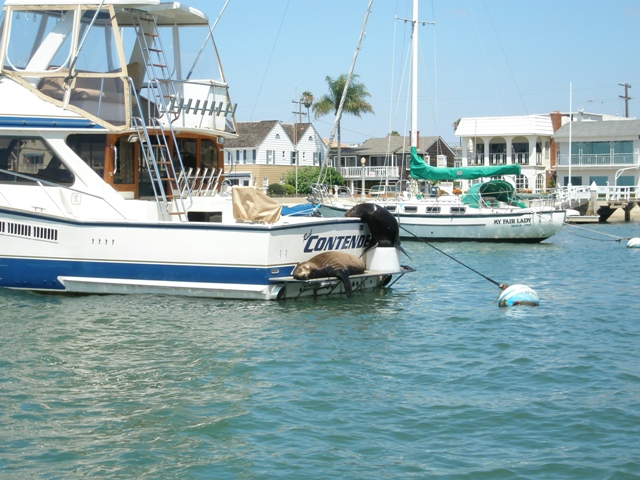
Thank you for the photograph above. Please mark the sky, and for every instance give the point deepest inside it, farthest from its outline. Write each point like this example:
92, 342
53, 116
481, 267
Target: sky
480, 58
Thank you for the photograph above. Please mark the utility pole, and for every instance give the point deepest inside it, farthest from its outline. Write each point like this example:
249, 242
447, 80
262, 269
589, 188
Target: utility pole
626, 98
299, 111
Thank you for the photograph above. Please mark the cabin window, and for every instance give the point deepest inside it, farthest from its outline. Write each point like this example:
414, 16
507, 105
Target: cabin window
410, 209
208, 154
458, 210
391, 208
91, 149
24, 159
432, 210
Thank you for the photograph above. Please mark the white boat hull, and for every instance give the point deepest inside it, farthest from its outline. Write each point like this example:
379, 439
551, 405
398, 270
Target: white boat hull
514, 225
240, 261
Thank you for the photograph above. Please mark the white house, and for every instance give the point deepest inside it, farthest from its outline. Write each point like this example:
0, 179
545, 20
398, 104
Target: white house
524, 140
265, 151
605, 152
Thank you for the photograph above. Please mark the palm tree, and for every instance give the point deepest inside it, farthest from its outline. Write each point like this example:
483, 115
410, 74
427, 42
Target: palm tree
307, 101
354, 103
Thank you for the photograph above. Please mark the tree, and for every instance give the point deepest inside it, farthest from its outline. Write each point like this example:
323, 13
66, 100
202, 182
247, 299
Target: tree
307, 100
354, 104
308, 176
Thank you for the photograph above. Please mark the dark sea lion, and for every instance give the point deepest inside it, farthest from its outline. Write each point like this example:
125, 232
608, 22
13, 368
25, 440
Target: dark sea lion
331, 264
384, 227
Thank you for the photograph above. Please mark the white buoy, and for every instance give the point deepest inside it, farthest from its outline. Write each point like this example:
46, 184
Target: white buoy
633, 243
517, 295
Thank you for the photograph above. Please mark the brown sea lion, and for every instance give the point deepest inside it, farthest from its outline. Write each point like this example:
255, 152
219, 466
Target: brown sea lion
331, 264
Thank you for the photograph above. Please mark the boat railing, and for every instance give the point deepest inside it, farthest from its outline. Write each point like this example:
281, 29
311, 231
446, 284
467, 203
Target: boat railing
58, 204
157, 156
330, 194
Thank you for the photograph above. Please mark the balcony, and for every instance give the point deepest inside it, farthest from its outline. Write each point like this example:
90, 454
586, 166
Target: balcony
370, 173
598, 160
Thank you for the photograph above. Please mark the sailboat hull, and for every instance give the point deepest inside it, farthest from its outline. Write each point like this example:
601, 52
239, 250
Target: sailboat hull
483, 225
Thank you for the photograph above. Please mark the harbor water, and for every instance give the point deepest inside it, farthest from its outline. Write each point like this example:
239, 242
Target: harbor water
430, 379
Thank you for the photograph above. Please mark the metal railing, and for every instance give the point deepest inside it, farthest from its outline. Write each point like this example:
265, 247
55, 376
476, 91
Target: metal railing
602, 160
370, 173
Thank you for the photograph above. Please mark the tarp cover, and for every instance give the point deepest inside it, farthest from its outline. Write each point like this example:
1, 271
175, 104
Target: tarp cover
491, 191
421, 170
251, 205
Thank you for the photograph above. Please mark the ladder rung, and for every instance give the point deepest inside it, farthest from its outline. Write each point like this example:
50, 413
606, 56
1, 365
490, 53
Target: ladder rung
155, 50
176, 213
159, 65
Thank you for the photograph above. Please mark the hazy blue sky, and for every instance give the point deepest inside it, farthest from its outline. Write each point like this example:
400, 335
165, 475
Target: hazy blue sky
482, 58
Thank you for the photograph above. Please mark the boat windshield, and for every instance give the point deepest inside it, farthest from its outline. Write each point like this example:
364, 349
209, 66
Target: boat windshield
24, 159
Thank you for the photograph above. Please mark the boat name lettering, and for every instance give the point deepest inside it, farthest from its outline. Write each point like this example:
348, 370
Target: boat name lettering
512, 221
316, 243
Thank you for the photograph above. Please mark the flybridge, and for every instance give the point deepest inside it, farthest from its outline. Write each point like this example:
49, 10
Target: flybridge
103, 61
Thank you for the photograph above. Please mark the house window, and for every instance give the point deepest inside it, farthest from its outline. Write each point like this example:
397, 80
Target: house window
311, 138
293, 157
277, 136
244, 156
254, 155
237, 156
316, 156
271, 157
521, 181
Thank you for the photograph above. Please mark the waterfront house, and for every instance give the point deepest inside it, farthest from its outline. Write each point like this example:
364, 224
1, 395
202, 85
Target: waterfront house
386, 160
266, 150
525, 140
605, 152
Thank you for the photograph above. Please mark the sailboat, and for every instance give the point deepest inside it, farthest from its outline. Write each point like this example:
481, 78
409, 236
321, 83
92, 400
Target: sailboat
489, 210
112, 166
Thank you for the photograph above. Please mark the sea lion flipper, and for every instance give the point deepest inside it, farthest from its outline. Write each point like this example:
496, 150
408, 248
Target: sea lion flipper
346, 281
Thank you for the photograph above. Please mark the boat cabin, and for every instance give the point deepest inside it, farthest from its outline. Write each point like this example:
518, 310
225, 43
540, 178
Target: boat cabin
139, 84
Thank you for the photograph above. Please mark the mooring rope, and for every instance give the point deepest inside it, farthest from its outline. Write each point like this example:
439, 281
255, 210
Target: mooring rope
498, 284
616, 237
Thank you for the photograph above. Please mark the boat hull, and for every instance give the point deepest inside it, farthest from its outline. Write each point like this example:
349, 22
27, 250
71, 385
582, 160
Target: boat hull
515, 225
46, 253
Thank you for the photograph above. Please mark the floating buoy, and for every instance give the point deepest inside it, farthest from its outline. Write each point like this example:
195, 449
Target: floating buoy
517, 295
633, 243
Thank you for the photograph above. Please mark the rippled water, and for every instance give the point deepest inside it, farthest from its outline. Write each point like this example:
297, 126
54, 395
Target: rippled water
430, 379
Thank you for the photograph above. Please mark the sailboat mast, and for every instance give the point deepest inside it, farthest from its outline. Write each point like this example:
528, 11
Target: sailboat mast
414, 76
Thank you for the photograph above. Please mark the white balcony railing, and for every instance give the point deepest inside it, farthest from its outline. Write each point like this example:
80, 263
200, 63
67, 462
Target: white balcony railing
370, 173
598, 160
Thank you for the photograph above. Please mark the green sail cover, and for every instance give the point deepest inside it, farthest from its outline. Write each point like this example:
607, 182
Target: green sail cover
492, 192
422, 171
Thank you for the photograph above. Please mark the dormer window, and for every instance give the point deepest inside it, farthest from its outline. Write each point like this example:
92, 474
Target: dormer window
277, 136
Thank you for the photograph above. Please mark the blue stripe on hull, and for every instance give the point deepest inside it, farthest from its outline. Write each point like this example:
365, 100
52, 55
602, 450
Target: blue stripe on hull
43, 274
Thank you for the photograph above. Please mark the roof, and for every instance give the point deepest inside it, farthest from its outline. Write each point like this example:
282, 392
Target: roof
166, 13
589, 130
295, 131
393, 144
505, 126
251, 134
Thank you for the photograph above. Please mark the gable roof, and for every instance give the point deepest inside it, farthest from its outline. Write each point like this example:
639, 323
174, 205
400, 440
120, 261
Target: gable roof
395, 144
295, 131
608, 128
505, 126
251, 134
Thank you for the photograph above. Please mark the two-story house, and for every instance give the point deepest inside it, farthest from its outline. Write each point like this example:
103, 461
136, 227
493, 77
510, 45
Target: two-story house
265, 151
524, 140
386, 160
605, 152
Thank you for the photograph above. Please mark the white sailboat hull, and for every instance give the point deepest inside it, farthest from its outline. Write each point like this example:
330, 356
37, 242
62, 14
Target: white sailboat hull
512, 225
